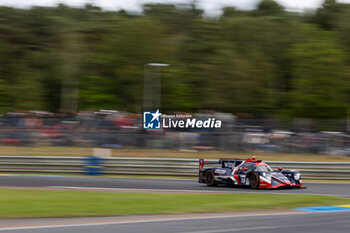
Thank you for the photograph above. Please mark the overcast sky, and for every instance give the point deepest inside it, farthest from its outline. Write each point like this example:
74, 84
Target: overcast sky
210, 6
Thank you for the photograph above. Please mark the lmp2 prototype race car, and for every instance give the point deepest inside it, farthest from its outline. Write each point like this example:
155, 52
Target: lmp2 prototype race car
251, 172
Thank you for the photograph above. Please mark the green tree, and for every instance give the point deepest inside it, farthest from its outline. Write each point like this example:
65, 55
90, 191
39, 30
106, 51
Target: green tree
269, 7
320, 75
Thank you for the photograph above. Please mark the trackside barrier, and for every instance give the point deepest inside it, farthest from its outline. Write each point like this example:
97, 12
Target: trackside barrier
93, 165
155, 166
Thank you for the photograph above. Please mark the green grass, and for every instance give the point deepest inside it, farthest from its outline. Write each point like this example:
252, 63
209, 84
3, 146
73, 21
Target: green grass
43, 203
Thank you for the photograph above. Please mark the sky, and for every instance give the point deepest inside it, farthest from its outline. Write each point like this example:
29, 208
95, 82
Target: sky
210, 6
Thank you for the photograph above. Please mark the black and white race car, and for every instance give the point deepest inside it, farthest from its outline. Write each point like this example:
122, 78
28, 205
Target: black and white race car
251, 172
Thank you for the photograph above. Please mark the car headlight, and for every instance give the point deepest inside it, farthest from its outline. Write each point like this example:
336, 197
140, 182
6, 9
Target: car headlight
297, 176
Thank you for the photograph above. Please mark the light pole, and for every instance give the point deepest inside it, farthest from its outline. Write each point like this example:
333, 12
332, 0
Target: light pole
152, 86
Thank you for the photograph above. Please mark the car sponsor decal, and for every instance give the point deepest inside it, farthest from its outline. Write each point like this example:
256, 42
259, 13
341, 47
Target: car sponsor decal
220, 171
243, 179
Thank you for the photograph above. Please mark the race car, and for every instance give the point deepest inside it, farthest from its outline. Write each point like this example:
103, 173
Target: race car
251, 172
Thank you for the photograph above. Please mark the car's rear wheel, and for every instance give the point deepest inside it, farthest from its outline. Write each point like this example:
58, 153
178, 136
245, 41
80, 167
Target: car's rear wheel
254, 180
209, 178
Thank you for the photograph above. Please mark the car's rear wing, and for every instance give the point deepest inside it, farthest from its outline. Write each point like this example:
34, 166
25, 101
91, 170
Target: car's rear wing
201, 164
225, 163
230, 163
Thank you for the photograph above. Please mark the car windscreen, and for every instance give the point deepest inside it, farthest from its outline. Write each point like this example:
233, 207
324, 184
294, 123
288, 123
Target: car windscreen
264, 168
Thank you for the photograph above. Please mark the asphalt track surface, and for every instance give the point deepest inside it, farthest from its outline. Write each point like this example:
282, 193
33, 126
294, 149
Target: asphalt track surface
335, 189
263, 222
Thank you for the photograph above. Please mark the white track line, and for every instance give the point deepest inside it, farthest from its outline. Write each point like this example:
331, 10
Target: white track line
135, 189
193, 191
166, 219
239, 229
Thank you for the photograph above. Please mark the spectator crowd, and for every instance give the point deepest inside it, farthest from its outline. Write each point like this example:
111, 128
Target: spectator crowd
118, 129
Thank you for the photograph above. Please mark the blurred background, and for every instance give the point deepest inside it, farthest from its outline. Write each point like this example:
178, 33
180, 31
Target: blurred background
278, 78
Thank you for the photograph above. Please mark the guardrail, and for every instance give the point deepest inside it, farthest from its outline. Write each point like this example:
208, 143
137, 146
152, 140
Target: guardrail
156, 166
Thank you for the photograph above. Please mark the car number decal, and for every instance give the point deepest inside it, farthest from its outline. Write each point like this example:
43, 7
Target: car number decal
243, 179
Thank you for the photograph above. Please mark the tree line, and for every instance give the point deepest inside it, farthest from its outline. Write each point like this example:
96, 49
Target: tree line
266, 61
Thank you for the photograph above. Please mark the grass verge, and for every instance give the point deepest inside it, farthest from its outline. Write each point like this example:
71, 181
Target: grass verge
44, 203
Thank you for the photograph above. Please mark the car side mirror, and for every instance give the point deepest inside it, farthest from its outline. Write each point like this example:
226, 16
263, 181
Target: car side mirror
245, 169
280, 169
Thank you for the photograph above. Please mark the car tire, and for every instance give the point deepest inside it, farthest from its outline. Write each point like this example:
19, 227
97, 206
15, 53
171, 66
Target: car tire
254, 180
209, 178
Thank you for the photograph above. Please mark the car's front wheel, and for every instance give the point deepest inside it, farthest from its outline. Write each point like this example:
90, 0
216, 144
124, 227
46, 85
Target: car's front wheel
209, 178
254, 180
